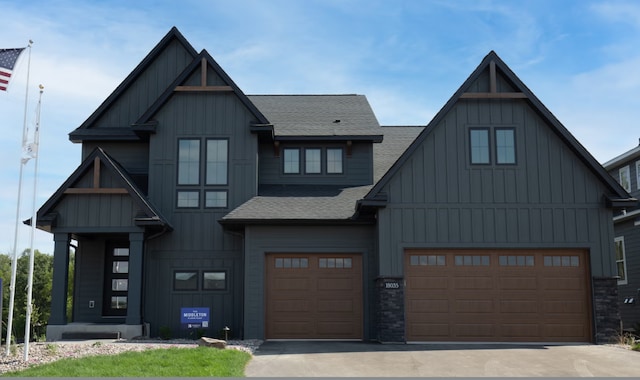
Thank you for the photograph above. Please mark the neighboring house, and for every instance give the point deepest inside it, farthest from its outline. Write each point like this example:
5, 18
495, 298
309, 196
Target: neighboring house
299, 217
626, 224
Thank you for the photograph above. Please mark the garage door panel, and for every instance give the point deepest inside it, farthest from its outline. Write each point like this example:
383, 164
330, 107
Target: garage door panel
321, 299
333, 284
428, 282
565, 330
472, 283
518, 306
336, 306
474, 306
505, 295
564, 284
291, 284
287, 306
474, 330
519, 330
429, 306
291, 327
519, 283
330, 330
430, 329
564, 306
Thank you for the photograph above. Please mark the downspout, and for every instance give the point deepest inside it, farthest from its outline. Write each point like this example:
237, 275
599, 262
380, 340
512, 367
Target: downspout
165, 228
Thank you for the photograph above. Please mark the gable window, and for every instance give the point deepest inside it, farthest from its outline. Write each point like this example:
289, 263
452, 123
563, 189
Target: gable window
188, 162
217, 162
291, 161
505, 146
495, 145
312, 160
621, 262
624, 177
215, 199
334, 160
479, 141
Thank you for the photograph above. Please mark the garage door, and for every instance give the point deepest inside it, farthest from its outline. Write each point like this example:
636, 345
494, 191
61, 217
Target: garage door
314, 296
501, 296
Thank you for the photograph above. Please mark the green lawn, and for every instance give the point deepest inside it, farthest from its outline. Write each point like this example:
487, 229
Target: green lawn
171, 362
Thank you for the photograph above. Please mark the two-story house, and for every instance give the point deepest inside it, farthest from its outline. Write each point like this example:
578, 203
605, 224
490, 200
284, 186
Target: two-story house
626, 169
300, 217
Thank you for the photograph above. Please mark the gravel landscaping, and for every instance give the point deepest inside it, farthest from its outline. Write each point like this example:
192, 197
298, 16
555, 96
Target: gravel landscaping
46, 352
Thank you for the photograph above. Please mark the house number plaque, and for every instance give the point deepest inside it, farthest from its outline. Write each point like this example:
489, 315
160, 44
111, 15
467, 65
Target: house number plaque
392, 285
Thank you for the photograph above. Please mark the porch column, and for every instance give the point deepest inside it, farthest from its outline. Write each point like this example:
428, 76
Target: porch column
134, 295
60, 279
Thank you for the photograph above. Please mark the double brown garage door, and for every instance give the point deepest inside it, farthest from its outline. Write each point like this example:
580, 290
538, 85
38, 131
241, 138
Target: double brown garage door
508, 296
314, 296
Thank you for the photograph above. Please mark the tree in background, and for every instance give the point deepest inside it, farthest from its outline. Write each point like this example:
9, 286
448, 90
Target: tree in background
41, 295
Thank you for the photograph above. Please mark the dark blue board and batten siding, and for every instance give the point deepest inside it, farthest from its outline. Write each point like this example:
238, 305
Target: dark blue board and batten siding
357, 168
630, 312
549, 198
151, 83
198, 241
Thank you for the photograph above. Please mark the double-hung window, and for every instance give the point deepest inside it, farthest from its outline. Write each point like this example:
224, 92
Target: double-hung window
313, 161
621, 262
505, 146
291, 161
624, 177
215, 170
334, 160
479, 141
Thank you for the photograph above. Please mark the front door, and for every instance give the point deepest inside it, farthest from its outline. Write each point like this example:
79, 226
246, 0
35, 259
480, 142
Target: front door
116, 277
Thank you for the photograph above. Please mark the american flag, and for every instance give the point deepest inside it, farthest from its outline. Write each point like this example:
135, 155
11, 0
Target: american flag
8, 58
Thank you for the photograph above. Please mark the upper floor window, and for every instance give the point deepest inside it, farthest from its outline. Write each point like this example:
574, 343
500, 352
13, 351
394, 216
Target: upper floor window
215, 157
479, 139
505, 146
313, 160
638, 174
217, 161
621, 262
291, 161
481, 150
188, 161
334, 160
624, 177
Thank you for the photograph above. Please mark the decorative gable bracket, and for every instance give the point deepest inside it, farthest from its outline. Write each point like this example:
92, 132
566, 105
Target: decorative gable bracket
493, 89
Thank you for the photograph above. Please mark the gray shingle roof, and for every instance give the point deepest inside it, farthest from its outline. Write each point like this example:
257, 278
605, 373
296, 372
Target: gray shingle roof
293, 203
316, 115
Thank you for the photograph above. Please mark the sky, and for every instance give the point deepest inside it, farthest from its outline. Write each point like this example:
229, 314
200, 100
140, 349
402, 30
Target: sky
580, 58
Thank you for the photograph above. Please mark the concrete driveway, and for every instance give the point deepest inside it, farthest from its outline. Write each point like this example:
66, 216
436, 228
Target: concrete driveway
346, 359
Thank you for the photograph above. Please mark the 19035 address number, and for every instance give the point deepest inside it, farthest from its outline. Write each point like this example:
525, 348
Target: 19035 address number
392, 285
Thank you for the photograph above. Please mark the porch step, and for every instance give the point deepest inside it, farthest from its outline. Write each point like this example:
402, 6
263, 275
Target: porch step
90, 335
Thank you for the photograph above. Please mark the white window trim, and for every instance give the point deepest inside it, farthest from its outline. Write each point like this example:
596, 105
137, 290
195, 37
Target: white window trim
624, 261
627, 171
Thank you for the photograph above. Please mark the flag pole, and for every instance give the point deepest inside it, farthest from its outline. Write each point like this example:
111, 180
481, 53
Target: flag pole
14, 264
34, 153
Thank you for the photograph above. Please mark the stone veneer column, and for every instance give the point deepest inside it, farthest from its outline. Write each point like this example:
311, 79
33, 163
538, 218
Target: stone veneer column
605, 306
390, 307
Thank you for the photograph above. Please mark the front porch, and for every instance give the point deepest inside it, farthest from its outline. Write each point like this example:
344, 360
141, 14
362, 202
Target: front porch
77, 330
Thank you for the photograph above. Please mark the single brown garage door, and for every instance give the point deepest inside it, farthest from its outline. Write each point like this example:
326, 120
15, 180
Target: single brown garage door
497, 296
314, 296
